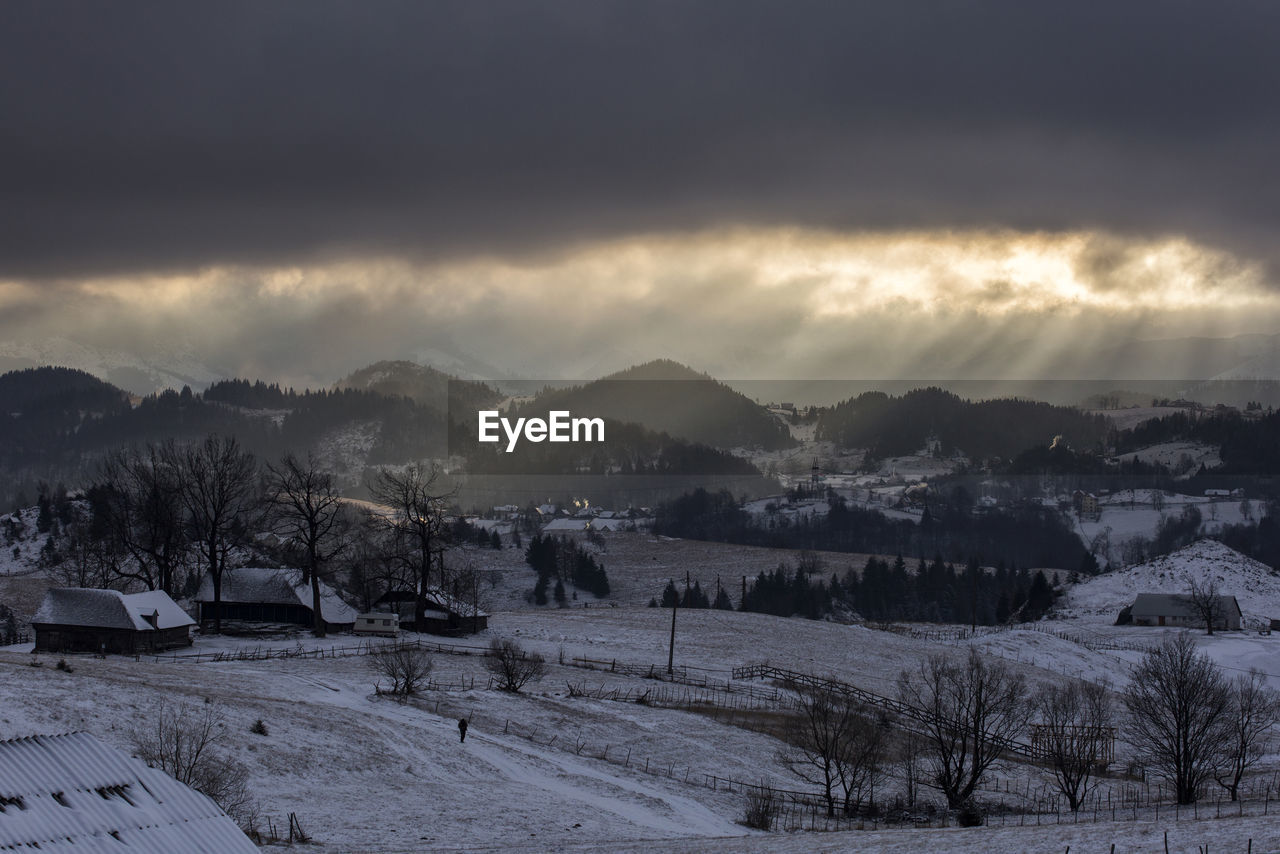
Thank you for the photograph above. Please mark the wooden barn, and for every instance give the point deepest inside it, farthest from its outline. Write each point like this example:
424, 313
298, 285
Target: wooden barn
254, 597
79, 619
443, 614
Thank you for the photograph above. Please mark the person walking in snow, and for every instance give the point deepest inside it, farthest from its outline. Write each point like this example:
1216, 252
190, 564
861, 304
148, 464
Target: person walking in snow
462, 729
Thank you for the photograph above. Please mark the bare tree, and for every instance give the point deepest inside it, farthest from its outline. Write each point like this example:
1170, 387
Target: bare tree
419, 533
971, 711
408, 667
85, 560
1179, 707
307, 512
182, 741
911, 749
138, 498
219, 493
814, 736
513, 667
1075, 736
1253, 712
1206, 602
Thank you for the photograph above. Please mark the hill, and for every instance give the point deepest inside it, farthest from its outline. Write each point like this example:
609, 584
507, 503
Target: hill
894, 426
420, 383
1255, 585
667, 397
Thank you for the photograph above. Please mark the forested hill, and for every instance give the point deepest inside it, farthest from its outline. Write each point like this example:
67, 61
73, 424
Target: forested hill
893, 426
667, 397
422, 384
41, 406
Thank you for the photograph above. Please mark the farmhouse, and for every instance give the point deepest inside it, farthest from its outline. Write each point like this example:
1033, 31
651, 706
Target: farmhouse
442, 614
255, 596
79, 619
69, 793
1175, 609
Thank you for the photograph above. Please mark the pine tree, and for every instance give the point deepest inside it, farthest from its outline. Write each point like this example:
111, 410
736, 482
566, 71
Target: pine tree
670, 595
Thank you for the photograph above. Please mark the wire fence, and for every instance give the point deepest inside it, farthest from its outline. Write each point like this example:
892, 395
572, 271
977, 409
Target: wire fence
261, 653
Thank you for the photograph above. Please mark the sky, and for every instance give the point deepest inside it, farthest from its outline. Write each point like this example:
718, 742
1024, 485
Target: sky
293, 190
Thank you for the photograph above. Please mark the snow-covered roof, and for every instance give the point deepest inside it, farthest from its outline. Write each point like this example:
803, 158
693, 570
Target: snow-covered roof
110, 609
264, 586
565, 524
436, 596
73, 793
1176, 605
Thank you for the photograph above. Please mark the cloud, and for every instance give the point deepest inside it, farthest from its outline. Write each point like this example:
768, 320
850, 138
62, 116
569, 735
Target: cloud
739, 302
164, 138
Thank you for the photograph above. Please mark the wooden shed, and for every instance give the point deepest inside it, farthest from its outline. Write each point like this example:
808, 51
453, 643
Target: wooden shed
80, 619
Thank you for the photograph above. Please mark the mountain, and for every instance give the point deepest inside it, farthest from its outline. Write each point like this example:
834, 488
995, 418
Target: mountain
668, 397
145, 371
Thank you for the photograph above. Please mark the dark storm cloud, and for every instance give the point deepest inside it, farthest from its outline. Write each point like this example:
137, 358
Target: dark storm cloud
151, 136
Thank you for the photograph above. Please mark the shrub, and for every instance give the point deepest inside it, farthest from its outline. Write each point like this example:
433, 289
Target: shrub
513, 667
259, 727
182, 741
408, 667
762, 807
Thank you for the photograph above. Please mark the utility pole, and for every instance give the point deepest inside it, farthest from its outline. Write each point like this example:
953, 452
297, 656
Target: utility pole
671, 650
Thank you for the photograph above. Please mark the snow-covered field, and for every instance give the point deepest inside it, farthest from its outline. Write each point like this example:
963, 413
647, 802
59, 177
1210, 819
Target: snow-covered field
547, 771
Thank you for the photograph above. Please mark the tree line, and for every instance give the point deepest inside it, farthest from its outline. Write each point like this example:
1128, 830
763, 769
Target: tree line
559, 560
1026, 535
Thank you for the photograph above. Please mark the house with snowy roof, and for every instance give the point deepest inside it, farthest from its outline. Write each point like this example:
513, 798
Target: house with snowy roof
253, 597
442, 614
73, 793
1176, 609
80, 619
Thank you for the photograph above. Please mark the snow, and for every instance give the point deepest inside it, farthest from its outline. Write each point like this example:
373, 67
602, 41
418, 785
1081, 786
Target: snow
1255, 585
76, 606
544, 770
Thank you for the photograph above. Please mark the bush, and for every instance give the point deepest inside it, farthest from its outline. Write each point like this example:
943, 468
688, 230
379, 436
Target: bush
763, 805
259, 727
970, 814
182, 741
408, 667
513, 667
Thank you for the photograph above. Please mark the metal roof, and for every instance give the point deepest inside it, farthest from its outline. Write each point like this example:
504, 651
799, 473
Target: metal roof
73, 793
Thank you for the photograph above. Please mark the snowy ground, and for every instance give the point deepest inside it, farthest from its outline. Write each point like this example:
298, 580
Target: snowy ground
546, 771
